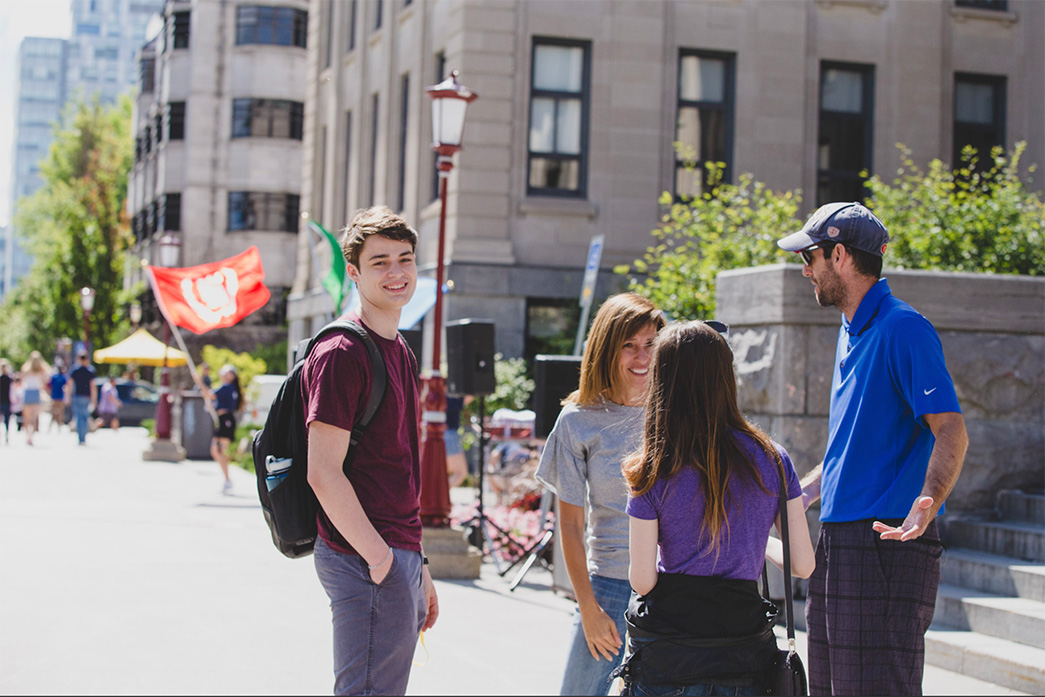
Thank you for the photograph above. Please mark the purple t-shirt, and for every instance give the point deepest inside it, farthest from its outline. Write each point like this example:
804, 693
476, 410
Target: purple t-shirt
678, 507
385, 470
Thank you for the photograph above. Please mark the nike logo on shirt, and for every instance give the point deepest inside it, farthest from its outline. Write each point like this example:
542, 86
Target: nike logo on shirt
929, 392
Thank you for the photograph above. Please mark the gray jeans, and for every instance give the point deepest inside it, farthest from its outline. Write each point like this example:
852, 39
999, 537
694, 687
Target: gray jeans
375, 626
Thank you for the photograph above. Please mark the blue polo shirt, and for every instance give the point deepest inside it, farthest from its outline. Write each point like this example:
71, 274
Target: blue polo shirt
889, 372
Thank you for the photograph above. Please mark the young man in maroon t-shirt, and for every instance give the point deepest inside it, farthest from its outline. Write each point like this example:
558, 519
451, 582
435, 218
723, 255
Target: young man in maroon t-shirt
368, 555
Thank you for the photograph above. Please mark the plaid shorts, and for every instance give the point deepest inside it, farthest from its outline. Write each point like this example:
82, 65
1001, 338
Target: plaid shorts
869, 604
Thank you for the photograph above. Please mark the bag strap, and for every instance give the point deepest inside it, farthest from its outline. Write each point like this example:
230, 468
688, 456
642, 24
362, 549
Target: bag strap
379, 373
785, 538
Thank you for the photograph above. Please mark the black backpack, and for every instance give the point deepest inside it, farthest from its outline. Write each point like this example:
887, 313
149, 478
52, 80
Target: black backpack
281, 449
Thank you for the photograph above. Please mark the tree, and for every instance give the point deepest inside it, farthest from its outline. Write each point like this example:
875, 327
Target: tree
729, 226
76, 230
977, 217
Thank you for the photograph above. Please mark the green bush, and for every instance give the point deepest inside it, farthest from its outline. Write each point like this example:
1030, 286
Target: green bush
246, 365
730, 226
977, 217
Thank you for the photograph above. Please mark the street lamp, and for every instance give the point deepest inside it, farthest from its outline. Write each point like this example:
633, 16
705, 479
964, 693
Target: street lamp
450, 102
170, 249
87, 304
136, 315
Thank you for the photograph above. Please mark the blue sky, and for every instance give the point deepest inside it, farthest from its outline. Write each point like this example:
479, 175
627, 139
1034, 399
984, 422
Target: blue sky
18, 19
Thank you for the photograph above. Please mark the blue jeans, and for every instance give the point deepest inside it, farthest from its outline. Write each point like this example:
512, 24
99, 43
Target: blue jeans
375, 626
584, 675
81, 411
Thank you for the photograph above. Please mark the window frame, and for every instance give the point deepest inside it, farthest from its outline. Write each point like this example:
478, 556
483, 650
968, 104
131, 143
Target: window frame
404, 125
584, 96
250, 24
175, 121
726, 106
251, 106
252, 201
180, 29
866, 117
999, 88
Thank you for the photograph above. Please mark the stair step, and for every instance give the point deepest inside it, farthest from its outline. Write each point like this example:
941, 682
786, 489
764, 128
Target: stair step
1021, 540
1014, 619
993, 573
1014, 504
1006, 663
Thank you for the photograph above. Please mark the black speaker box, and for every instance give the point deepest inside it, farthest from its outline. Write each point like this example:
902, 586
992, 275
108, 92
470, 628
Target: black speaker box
469, 357
414, 340
556, 378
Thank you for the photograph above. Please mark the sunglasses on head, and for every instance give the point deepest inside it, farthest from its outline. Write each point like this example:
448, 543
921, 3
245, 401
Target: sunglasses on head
807, 253
720, 327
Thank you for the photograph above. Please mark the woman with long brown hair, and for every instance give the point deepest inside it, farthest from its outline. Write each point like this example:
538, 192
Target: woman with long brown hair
704, 493
35, 374
601, 423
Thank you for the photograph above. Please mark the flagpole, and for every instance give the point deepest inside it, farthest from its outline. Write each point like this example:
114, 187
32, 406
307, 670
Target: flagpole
192, 369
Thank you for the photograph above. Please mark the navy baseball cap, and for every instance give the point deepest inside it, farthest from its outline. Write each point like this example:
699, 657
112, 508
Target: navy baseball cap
843, 222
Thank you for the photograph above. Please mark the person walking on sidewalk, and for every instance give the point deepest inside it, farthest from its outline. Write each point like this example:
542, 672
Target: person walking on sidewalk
368, 553
600, 424
108, 406
35, 375
6, 383
704, 493
228, 403
83, 394
57, 391
896, 443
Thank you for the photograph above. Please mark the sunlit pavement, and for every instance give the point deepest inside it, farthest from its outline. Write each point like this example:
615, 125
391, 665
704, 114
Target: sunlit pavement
121, 576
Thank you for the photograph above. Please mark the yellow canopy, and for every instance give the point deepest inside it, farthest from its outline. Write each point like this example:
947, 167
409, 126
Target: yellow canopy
140, 348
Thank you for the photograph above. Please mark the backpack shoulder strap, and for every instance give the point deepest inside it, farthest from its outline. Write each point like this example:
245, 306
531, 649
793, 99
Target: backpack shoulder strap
378, 376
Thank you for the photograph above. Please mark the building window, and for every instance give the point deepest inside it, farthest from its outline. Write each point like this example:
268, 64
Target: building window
150, 219
176, 121
148, 74
170, 212
249, 210
979, 114
372, 184
558, 118
262, 24
704, 125
147, 141
551, 326
180, 30
352, 25
328, 49
404, 117
440, 75
267, 118
348, 165
846, 128
157, 129
999, 5
379, 8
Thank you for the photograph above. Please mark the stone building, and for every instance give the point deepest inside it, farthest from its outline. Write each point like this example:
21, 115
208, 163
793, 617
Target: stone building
218, 129
579, 106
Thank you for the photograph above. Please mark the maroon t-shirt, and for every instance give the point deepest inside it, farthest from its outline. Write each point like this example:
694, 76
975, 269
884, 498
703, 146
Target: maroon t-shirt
385, 468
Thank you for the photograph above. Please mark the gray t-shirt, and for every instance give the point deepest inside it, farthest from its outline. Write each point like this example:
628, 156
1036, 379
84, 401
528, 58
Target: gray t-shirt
581, 465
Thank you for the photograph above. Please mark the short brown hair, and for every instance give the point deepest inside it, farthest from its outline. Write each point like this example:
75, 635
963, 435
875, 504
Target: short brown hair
376, 220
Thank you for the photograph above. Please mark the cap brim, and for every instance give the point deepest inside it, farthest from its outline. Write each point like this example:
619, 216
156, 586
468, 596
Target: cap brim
796, 242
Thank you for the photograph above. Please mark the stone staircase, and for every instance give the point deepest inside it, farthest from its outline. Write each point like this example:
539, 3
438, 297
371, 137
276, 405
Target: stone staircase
990, 609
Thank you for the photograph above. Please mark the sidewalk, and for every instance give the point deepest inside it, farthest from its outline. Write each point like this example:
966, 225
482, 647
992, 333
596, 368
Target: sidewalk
128, 577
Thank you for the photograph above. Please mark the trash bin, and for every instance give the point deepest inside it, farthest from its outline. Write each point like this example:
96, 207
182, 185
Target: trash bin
197, 426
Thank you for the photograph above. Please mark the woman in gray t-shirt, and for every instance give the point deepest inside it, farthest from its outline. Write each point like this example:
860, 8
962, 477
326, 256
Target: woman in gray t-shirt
599, 426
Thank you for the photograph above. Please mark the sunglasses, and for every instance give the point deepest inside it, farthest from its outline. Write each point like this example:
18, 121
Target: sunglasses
807, 253
720, 327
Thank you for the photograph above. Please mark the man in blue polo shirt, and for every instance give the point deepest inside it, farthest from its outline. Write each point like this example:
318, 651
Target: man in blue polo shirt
896, 442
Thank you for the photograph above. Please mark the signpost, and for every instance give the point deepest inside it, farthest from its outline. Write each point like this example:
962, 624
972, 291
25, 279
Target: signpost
591, 274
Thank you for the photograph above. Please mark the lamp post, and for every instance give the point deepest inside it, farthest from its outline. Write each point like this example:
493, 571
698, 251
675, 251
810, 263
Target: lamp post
87, 304
170, 249
450, 102
136, 315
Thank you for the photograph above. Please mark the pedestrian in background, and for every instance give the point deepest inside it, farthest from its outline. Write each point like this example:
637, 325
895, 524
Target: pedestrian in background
35, 375
6, 380
599, 426
228, 403
895, 448
109, 406
704, 493
57, 392
83, 395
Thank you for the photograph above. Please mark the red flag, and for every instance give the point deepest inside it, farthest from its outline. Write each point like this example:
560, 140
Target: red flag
211, 296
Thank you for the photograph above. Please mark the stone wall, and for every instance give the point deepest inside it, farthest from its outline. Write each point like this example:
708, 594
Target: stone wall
992, 329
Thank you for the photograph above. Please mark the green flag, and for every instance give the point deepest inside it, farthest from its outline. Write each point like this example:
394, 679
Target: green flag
334, 281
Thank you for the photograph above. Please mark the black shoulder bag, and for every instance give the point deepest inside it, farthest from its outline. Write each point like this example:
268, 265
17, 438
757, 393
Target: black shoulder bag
788, 675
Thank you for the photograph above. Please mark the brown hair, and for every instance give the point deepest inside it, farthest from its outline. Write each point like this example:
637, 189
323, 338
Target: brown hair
376, 220
620, 318
35, 364
691, 410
